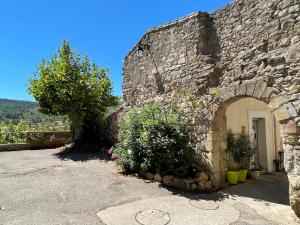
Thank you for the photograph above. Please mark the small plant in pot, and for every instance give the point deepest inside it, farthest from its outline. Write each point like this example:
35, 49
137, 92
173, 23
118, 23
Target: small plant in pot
233, 172
255, 170
245, 151
241, 150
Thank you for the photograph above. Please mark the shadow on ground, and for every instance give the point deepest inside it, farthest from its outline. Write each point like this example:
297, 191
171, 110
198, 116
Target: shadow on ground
272, 188
82, 156
212, 196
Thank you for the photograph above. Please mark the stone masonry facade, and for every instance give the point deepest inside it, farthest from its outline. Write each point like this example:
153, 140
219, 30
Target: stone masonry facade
248, 48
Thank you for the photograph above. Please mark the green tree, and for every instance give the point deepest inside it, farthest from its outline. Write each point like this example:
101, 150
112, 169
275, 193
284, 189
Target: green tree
71, 85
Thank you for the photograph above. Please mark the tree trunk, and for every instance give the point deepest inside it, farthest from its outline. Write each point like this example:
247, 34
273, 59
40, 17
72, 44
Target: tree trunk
76, 125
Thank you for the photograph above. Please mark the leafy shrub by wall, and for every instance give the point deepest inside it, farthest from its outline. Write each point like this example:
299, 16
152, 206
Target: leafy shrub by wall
154, 140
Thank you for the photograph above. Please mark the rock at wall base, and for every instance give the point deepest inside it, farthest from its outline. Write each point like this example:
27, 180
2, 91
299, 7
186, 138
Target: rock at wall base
167, 180
157, 177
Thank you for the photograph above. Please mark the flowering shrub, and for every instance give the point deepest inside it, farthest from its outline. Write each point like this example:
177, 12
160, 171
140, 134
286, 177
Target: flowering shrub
111, 154
154, 140
110, 151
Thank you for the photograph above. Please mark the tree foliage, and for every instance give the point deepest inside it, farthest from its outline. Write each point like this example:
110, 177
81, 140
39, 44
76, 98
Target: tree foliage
71, 85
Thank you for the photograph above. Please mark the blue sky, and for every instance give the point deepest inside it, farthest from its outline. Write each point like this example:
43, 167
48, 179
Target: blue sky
103, 29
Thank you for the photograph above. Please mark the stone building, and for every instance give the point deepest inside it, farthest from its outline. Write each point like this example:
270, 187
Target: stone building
243, 63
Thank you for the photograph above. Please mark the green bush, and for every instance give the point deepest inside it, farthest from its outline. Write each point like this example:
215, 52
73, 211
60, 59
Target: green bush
154, 140
12, 133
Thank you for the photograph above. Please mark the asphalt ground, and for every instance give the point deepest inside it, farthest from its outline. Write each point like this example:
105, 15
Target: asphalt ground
42, 188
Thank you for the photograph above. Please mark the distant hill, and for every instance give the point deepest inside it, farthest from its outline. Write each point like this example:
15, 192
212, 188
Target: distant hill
17, 110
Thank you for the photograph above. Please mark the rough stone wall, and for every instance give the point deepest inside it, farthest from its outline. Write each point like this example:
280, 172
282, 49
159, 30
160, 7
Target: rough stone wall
179, 55
249, 48
260, 39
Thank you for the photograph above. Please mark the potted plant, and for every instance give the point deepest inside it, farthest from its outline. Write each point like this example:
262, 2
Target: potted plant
232, 175
233, 172
255, 170
244, 153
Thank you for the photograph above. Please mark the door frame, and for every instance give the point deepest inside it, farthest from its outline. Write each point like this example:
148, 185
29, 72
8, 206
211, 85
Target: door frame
269, 126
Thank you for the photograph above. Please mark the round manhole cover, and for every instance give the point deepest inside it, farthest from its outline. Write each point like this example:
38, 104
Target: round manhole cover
153, 217
204, 204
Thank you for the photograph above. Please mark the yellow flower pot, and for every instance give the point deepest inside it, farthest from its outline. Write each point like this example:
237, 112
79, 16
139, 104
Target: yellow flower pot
232, 177
242, 176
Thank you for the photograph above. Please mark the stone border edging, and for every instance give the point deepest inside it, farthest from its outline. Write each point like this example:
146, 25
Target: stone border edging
201, 183
14, 147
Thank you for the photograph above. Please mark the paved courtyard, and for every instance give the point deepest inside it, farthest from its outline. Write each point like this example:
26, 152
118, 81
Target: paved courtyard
39, 188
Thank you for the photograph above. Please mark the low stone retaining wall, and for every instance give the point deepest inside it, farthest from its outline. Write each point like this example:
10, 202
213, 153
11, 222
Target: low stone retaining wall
40, 140
201, 182
48, 139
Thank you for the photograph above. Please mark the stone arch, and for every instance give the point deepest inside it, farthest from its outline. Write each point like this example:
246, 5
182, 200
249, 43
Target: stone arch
284, 113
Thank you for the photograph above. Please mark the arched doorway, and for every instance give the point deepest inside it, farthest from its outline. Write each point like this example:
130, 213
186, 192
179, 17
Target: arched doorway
257, 119
278, 131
